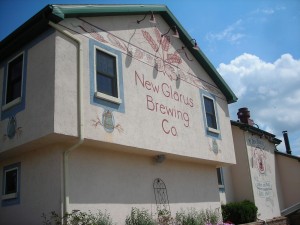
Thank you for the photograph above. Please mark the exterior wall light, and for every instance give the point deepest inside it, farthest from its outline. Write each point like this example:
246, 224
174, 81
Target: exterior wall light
152, 18
160, 158
174, 29
195, 44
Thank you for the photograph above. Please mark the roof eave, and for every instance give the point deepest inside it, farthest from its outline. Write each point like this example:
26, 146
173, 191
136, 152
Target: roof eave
254, 130
55, 13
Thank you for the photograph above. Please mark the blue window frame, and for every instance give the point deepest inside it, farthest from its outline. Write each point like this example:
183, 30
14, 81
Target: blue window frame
210, 114
106, 77
11, 184
14, 79
13, 94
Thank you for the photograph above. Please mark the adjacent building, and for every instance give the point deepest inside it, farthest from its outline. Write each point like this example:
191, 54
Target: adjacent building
262, 174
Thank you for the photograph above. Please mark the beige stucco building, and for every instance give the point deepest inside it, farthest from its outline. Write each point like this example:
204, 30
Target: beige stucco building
101, 102
97, 103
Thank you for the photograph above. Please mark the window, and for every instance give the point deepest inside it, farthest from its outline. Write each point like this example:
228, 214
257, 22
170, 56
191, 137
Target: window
14, 80
106, 76
220, 177
210, 113
11, 184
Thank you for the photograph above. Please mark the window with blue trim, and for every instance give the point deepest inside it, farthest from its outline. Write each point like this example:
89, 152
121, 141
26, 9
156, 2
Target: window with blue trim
106, 76
210, 113
210, 116
11, 184
13, 93
14, 79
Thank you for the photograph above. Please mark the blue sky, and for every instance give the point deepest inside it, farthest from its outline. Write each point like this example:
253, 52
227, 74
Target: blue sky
254, 44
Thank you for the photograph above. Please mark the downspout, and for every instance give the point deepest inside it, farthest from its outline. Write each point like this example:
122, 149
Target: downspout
66, 154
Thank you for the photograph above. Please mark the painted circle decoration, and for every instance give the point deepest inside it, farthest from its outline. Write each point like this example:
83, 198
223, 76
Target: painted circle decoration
11, 127
108, 121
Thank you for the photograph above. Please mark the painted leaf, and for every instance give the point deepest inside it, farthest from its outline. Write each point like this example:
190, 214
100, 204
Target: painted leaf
165, 43
173, 58
116, 42
150, 40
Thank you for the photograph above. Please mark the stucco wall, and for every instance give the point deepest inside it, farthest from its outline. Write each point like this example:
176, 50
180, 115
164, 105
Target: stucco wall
40, 186
148, 68
241, 178
36, 119
115, 181
289, 180
227, 194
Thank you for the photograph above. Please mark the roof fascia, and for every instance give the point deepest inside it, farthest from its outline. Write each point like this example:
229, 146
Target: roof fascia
55, 13
246, 127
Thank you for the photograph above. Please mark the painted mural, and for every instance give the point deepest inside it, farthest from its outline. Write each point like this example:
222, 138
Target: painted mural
107, 121
172, 63
214, 147
263, 177
12, 129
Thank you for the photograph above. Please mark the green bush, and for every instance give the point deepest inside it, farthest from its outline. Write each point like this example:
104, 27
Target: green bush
239, 212
139, 217
78, 218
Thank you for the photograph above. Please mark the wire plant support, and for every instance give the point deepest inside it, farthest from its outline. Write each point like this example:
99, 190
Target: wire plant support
161, 195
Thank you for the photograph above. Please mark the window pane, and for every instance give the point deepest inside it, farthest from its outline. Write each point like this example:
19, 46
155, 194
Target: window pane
105, 85
209, 105
106, 64
220, 180
11, 181
14, 79
211, 121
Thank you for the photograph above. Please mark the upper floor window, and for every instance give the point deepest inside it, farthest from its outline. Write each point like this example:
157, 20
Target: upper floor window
107, 85
210, 113
14, 81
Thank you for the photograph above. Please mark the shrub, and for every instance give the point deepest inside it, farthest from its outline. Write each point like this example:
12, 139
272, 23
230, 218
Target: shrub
239, 212
194, 217
164, 217
139, 217
78, 218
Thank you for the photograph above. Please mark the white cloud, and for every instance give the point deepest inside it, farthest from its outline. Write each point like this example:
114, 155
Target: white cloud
268, 11
231, 33
271, 91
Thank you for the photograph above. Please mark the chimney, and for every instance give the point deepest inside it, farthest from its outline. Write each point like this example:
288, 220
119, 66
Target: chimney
286, 142
244, 116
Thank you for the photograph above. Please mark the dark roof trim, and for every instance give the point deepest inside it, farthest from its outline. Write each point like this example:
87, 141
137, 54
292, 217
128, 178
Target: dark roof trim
246, 127
55, 13
288, 155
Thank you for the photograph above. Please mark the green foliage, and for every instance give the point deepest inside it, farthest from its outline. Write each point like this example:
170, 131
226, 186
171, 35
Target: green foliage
78, 218
164, 217
139, 217
194, 217
239, 212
